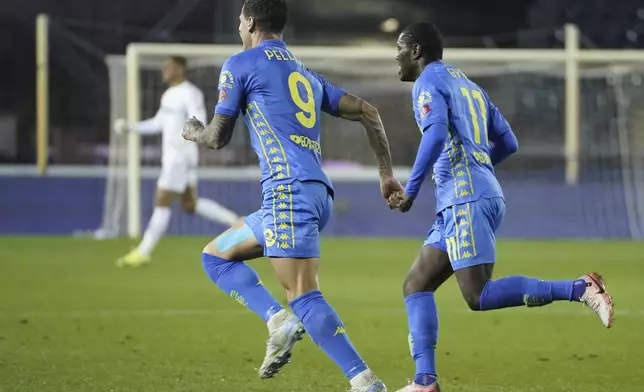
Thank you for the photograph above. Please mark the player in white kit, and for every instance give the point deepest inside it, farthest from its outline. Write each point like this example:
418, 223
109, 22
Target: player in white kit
180, 102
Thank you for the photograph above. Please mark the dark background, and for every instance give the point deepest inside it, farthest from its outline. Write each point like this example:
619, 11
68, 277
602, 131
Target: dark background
82, 31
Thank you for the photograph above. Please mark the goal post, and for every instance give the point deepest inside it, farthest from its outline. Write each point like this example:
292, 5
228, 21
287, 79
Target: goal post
562, 77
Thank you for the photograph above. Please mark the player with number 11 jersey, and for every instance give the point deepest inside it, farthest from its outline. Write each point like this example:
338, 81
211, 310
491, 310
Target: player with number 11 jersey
464, 135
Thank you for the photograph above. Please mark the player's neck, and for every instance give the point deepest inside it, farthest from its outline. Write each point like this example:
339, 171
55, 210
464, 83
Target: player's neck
261, 37
176, 82
422, 64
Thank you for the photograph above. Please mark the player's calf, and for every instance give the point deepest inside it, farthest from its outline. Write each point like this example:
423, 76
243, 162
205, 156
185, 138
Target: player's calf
482, 293
298, 276
223, 260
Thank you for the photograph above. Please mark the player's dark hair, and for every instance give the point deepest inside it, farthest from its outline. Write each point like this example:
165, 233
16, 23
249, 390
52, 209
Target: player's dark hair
180, 61
427, 36
270, 15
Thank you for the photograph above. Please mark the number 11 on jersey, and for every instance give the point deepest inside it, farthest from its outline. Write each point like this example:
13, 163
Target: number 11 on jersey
476, 94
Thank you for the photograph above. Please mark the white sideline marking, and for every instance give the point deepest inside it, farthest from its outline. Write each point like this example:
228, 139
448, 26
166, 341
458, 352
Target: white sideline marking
213, 312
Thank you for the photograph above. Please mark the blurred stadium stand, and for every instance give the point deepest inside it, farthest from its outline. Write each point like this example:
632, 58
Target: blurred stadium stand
82, 33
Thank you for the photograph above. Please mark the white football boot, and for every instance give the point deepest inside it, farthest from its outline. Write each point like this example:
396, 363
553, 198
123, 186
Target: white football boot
413, 387
597, 298
367, 382
284, 331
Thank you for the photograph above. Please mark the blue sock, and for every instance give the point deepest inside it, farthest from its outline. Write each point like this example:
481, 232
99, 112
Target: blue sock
326, 330
423, 335
520, 290
241, 282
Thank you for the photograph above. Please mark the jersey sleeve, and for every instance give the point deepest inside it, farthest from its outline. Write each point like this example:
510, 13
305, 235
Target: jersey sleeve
195, 106
430, 105
331, 95
232, 87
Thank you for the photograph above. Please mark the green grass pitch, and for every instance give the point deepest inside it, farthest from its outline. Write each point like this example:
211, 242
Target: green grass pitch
71, 321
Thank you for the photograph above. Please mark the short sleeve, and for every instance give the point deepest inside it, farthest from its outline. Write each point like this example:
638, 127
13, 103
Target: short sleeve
232, 85
430, 105
331, 95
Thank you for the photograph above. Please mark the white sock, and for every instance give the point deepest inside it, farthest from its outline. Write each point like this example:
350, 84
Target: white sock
156, 228
362, 379
215, 212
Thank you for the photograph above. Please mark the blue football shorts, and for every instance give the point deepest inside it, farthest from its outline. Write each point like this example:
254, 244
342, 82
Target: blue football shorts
291, 218
466, 232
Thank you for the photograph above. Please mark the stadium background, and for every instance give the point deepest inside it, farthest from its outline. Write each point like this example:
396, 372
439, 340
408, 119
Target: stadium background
82, 34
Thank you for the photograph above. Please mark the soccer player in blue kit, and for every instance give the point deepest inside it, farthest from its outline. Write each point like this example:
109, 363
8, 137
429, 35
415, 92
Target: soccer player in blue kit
281, 102
463, 137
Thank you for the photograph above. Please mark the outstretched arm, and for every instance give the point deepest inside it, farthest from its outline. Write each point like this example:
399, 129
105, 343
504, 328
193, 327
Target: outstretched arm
353, 108
215, 136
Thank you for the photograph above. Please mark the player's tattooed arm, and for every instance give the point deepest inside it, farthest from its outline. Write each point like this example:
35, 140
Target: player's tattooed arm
356, 109
353, 108
215, 136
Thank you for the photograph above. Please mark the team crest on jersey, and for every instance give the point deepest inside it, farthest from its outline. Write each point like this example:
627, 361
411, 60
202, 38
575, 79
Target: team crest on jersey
226, 80
223, 94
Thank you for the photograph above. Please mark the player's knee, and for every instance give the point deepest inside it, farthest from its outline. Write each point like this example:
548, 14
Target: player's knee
233, 244
189, 206
412, 285
211, 249
473, 300
163, 198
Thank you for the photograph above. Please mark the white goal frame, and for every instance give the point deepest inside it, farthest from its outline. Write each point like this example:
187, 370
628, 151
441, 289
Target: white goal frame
571, 57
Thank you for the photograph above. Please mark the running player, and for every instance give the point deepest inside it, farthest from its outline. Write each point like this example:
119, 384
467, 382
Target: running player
463, 136
181, 101
281, 102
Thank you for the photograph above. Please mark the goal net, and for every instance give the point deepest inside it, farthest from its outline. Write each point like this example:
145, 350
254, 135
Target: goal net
604, 198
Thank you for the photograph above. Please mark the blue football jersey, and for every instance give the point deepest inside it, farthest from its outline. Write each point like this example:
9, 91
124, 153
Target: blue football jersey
463, 172
281, 102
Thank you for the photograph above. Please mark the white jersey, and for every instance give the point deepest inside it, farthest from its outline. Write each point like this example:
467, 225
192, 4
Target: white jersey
178, 104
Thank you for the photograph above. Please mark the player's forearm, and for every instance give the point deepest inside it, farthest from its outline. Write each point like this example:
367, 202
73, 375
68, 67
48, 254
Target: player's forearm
430, 148
506, 145
218, 133
150, 126
375, 130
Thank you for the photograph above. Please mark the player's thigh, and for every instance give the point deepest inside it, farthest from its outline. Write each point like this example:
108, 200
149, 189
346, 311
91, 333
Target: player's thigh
242, 241
189, 199
432, 266
428, 272
473, 252
292, 216
472, 280
297, 276
470, 232
174, 175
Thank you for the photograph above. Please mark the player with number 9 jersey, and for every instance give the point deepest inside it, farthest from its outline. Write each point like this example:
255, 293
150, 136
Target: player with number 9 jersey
281, 102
